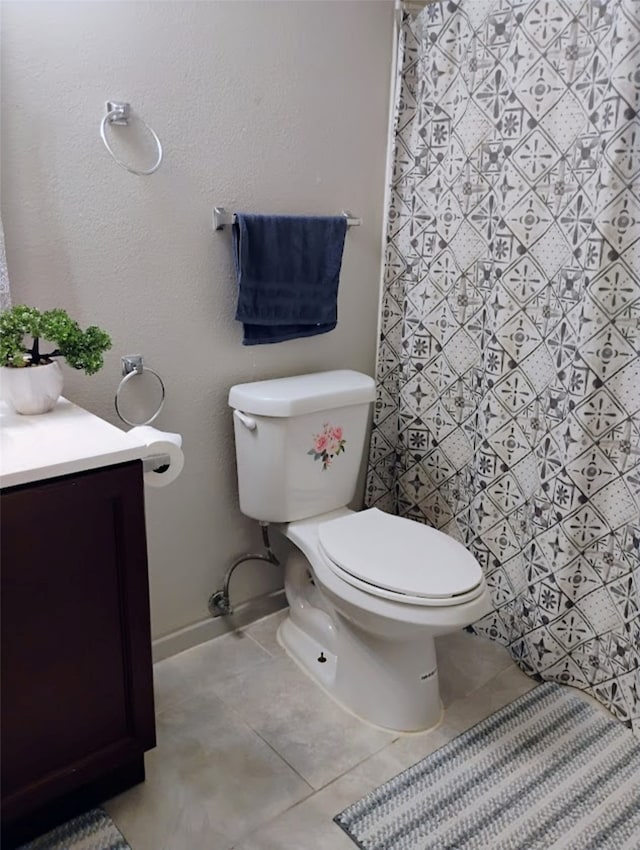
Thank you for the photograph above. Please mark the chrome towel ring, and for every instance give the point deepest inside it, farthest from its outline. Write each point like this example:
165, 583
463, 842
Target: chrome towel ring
119, 112
133, 365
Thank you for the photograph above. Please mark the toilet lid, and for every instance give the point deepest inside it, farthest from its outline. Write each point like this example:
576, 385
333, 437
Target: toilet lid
399, 555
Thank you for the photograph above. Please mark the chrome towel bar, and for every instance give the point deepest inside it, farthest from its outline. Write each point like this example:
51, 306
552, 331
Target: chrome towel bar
221, 218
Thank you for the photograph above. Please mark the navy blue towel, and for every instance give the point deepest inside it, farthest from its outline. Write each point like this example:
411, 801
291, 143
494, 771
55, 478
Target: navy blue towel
288, 268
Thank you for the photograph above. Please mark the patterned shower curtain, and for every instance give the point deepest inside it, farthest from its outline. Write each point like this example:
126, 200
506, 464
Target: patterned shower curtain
508, 410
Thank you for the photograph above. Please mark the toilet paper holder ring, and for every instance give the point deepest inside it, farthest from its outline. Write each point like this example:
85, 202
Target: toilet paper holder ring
132, 365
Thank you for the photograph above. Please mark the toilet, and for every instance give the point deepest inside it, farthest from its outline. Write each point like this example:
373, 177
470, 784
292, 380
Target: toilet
368, 592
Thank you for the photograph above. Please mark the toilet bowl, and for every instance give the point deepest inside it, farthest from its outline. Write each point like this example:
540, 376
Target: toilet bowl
372, 647
368, 592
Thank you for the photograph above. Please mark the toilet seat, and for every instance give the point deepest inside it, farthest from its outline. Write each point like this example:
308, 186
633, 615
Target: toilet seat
399, 559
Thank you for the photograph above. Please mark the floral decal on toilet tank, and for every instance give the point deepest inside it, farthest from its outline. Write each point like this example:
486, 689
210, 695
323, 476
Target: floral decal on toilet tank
328, 444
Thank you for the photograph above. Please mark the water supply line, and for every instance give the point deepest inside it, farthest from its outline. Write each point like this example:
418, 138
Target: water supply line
219, 602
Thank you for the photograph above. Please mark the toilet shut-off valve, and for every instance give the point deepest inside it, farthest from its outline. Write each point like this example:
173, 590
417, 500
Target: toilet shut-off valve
219, 602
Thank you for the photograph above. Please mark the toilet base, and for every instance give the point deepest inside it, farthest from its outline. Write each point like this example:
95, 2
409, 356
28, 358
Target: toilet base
308, 653
391, 684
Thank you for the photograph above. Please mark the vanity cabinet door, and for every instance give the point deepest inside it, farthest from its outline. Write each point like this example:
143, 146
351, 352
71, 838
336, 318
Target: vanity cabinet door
77, 693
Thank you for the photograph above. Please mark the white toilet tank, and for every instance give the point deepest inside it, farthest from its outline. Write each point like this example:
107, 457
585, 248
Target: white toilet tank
299, 442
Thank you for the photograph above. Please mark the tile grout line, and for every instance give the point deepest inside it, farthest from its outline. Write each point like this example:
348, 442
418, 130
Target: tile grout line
261, 645
314, 791
288, 808
241, 719
512, 665
180, 701
282, 757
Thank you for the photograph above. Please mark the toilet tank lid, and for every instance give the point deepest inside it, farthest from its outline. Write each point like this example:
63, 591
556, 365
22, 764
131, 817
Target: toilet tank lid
302, 394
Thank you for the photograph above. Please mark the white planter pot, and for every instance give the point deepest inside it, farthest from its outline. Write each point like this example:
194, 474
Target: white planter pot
32, 389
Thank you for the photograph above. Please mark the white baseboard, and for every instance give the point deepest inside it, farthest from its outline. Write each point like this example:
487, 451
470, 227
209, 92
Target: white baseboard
196, 633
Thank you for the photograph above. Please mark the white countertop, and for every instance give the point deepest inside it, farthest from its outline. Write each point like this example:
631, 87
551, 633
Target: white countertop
66, 440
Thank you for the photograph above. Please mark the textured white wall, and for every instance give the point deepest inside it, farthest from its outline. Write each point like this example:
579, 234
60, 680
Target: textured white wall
261, 106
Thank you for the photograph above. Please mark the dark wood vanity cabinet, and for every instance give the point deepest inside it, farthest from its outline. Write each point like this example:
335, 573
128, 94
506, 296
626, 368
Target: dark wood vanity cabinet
77, 688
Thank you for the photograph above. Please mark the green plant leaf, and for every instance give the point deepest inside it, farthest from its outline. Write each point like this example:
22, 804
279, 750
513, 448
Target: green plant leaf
81, 350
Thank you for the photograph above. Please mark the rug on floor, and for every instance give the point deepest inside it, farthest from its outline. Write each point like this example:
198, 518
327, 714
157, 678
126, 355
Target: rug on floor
93, 830
549, 770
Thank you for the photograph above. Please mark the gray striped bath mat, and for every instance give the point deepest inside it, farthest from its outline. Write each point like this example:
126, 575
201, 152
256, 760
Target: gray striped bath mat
92, 831
546, 771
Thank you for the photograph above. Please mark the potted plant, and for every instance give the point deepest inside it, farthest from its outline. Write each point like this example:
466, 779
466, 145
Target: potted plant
31, 378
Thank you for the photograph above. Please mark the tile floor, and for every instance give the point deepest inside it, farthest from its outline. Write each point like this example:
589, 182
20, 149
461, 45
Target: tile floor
252, 755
